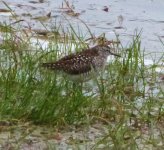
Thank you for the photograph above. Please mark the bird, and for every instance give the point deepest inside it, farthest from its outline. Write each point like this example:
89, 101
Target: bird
84, 65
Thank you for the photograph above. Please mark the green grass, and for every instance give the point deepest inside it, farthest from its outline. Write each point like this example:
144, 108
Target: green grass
122, 102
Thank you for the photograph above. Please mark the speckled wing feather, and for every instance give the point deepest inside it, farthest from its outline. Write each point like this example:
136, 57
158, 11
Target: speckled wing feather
74, 64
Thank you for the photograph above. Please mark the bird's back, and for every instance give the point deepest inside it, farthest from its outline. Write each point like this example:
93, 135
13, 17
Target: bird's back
74, 64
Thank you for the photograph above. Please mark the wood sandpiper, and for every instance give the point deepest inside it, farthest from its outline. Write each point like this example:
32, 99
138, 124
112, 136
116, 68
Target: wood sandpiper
84, 65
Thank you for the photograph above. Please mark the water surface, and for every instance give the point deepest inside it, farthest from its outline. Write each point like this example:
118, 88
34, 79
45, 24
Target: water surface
122, 17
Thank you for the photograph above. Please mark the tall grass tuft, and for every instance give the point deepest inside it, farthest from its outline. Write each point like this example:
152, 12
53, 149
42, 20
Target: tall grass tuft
124, 101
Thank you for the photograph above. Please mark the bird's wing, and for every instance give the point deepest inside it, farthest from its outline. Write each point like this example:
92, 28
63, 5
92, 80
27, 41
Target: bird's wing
75, 63
79, 63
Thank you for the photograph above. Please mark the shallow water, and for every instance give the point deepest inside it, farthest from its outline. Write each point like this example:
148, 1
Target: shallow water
121, 17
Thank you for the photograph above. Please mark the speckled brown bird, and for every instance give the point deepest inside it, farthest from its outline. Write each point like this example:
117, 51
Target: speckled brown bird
83, 65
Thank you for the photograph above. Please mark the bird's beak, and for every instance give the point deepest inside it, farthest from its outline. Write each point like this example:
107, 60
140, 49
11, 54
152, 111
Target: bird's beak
115, 54
113, 49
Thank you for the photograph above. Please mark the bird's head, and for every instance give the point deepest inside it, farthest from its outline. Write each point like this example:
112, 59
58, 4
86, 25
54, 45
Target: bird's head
108, 50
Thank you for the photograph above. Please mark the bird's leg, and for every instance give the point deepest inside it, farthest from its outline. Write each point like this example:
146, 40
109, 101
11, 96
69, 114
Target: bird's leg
100, 83
77, 87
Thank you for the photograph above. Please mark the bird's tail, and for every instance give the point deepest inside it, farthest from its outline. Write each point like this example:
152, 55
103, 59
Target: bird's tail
49, 65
